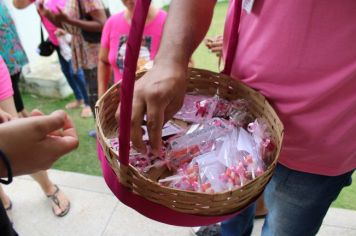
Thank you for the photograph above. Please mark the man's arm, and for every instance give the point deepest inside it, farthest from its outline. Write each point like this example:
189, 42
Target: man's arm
160, 92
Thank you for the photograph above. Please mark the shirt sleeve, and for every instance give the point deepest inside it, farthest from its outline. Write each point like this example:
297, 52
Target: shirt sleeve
5, 81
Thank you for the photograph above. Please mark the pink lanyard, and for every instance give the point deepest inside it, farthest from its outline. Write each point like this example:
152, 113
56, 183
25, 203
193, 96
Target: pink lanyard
234, 37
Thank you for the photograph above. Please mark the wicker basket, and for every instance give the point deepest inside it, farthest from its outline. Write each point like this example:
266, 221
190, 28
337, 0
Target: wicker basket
201, 82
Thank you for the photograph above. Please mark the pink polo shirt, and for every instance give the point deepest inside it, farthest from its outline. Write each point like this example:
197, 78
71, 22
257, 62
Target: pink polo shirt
5, 81
114, 37
50, 27
300, 55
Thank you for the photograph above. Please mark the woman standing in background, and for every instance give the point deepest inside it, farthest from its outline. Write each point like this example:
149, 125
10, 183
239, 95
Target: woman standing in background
75, 80
15, 58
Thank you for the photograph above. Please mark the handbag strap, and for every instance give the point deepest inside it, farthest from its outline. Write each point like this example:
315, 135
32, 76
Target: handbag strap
133, 46
42, 37
81, 15
234, 37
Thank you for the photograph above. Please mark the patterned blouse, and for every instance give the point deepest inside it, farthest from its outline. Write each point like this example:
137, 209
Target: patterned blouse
11, 49
84, 54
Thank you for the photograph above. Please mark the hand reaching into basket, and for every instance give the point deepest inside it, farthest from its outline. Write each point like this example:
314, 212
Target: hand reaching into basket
215, 45
35, 143
159, 93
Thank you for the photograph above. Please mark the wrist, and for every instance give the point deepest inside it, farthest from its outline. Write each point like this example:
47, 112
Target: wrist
172, 70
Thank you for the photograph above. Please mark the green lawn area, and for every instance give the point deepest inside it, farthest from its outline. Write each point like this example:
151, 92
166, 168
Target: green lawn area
84, 159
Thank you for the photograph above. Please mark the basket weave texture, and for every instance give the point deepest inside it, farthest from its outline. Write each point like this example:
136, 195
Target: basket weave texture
206, 83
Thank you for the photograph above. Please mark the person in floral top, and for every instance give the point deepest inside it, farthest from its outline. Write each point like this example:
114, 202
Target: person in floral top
84, 54
15, 58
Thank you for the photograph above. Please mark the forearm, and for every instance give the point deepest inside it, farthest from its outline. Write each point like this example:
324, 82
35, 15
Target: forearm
104, 74
186, 26
21, 4
92, 26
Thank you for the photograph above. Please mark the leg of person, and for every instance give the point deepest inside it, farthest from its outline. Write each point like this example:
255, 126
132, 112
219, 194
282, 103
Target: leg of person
5, 200
59, 201
66, 67
17, 96
6, 228
261, 210
91, 78
297, 202
80, 80
240, 225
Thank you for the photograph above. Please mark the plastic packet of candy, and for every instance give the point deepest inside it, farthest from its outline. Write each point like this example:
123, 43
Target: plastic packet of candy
169, 129
198, 139
210, 170
263, 138
187, 178
196, 108
142, 162
240, 158
239, 113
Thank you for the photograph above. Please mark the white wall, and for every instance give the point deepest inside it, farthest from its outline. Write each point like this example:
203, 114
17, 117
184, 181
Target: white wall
28, 23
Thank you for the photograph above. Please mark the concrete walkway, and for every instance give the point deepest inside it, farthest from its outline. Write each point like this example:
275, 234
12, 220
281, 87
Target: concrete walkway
95, 211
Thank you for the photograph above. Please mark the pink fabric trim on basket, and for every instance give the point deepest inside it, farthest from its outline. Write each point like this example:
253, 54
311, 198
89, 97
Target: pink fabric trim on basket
234, 37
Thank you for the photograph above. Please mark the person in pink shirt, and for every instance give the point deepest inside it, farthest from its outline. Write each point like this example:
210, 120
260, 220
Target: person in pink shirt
39, 145
112, 51
113, 42
76, 79
296, 53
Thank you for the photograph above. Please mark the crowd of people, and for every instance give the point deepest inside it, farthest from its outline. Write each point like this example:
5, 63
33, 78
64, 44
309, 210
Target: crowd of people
284, 50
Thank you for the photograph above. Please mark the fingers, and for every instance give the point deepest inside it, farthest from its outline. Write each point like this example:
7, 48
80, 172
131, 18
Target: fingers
59, 10
138, 111
68, 128
4, 117
45, 125
36, 112
155, 121
54, 147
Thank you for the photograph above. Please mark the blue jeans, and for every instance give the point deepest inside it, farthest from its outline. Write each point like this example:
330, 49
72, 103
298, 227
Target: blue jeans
76, 81
297, 203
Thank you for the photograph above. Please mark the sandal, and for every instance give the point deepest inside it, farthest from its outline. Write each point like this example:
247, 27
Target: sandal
53, 198
86, 112
74, 105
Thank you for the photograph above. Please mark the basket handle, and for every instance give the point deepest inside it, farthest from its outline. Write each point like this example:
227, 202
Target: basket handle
234, 37
133, 46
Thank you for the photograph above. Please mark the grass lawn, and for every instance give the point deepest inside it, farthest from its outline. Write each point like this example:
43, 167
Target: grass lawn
84, 159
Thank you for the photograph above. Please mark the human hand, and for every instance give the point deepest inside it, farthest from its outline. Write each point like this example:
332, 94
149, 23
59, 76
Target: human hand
4, 116
215, 45
159, 94
36, 142
61, 17
60, 32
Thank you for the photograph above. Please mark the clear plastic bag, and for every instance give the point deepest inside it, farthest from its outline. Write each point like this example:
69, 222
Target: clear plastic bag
64, 46
197, 140
196, 108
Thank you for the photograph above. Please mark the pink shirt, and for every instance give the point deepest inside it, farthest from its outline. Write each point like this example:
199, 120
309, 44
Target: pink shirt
50, 27
114, 39
300, 55
5, 81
